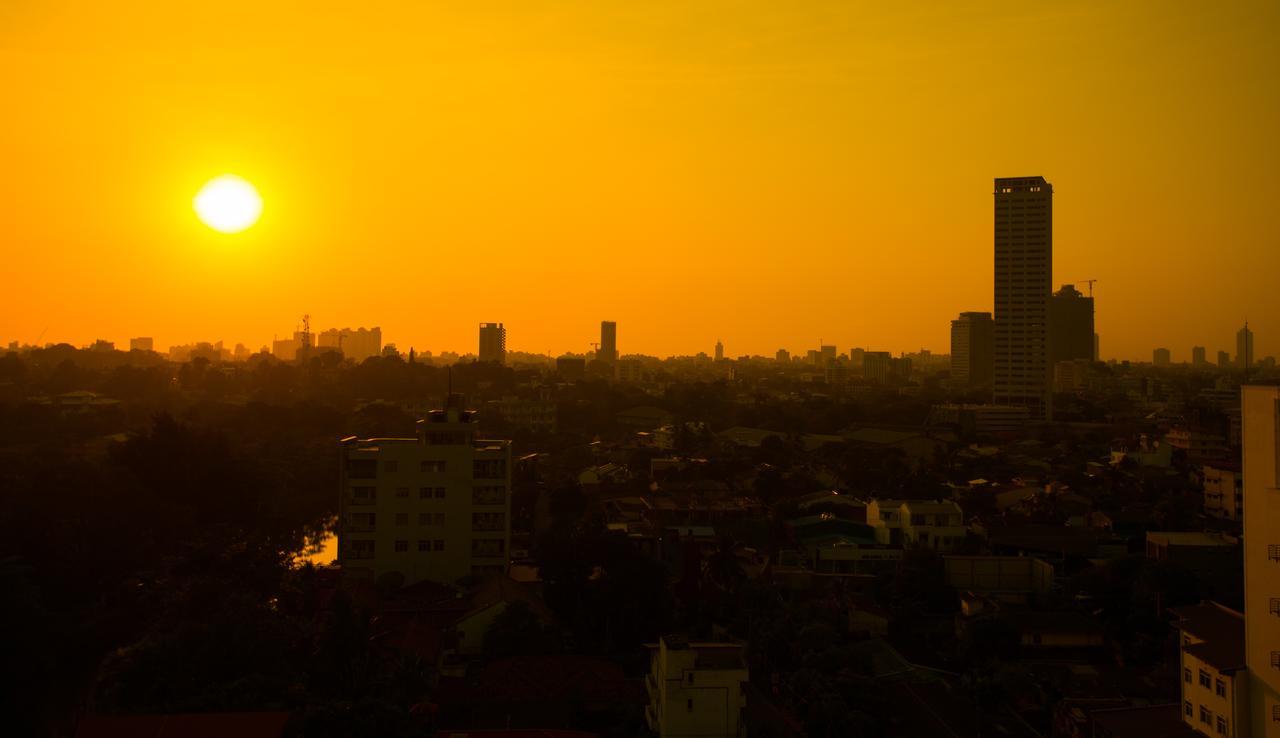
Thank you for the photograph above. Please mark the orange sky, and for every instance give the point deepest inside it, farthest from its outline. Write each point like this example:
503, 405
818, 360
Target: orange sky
766, 173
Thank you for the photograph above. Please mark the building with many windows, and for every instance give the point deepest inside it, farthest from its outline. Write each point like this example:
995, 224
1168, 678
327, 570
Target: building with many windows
436, 507
1214, 680
493, 343
1023, 281
608, 341
1261, 444
972, 346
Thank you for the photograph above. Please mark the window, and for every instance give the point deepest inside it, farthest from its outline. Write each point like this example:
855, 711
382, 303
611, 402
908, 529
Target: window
1186, 675
1206, 716
362, 549
1220, 687
364, 495
391, 466
489, 495
1187, 709
691, 677
917, 519
1222, 725
424, 518
402, 546
1204, 679
402, 493
402, 518
438, 545
489, 468
487, 547
488, 521
362, 469
433, 466
427, 493
424, 545
690, 704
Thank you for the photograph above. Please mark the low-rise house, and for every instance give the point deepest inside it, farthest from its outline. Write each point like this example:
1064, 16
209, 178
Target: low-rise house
1214, 676
936, 524
1224, 492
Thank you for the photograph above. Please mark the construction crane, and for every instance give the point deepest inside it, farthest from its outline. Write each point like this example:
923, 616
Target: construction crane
1088, 282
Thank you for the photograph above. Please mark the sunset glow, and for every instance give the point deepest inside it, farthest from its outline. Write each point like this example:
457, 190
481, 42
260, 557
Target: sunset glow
228, 204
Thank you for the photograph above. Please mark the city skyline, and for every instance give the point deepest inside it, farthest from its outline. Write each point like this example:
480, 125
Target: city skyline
800, 133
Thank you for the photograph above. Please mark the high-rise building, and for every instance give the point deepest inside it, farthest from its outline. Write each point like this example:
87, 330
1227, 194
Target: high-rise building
1224, 360
855, 357
608, 341
1244, 347
1023, 279
1198, 356
1070, 325
877, 366
719, 351
1260, 418
972, 349
435, 507
1161, 357
493, 343
827, 354
143, 343
783, 356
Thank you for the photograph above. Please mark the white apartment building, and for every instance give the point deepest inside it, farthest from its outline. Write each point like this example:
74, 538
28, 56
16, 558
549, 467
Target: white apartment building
937, 524
1214, 680
436, 507
696, 690
1261, 441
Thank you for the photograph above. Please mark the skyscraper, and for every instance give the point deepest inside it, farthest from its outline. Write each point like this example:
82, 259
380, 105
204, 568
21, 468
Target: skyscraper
1244, 347
1198, 356
1260, 418
719, 351
972, 349
1023, 279
1070, 325
493, 343
1161, 357
608, 341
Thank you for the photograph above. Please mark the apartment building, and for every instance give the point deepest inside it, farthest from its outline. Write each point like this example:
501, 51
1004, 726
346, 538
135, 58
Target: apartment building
696, 690
937, 524
1214, 679
436, 507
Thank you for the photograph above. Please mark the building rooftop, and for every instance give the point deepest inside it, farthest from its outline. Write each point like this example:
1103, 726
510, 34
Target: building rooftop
1221, 629
1190, 538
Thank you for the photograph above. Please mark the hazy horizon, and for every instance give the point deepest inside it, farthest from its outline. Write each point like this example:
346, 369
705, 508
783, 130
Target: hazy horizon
768, 176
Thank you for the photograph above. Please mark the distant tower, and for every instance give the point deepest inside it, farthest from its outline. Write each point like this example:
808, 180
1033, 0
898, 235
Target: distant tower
493, 343
1070, 325
1198, 357
608, 350
1244, 347
972, 349
1161, 357
783, 356
719, 350
1023, 280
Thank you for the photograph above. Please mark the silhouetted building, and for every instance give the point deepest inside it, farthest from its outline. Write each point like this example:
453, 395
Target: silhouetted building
608, 341
1198, 356
827, 354
571, 368
877, 365
1161, 357
719, 351
1070, 325
783, 356
357, 345
1224, 360
1244, 347
1023, 278
145, 343
972, 349
435, 507
856, 356
493, 343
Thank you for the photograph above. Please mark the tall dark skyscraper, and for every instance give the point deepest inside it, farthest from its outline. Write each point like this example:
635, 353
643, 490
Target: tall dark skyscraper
493, 343
1023, 281
1070, 325
972, 349
608, 341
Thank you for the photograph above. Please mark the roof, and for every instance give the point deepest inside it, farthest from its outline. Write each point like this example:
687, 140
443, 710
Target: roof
1155, 721
1190, 538
1221, 629
186, 725
501, 588
880, 436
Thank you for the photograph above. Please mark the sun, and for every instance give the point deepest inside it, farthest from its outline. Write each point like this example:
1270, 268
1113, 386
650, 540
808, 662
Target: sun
228, 204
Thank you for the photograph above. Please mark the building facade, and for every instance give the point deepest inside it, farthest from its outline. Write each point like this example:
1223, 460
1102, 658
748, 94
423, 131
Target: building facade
493, 343
1070, 326
608, 341
432, 508
1244, 347
1023, 281
144, 343
695, 690
1214, 680
973, 338
357, 345
1261, 445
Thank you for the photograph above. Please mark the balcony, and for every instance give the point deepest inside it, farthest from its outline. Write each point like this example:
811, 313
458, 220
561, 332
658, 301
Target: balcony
1273, 552
1275, 659
1274, 608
